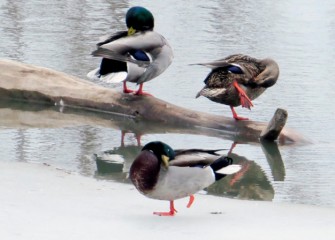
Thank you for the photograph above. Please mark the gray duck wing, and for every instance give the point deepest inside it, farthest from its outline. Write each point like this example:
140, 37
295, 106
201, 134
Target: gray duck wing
194, 157
161, 60
152, 43
221, 63
111, 37
114, 52
111, 54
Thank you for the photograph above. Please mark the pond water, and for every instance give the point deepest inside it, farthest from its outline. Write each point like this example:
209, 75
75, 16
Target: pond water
299, 35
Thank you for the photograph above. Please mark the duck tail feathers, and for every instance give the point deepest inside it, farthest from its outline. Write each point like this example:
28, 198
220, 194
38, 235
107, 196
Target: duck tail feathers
224, 166
221, 163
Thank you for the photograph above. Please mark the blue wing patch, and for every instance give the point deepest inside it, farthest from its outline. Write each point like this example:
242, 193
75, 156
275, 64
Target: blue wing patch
139, 55
235, 69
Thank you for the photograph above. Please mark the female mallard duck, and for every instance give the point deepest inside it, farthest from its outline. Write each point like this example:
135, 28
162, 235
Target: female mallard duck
137, 55
162, 173
238, 79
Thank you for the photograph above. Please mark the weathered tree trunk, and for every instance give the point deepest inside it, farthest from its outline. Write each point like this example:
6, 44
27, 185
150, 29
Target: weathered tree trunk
32, 83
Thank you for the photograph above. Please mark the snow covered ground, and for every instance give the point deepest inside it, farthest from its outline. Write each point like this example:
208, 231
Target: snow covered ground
41, 202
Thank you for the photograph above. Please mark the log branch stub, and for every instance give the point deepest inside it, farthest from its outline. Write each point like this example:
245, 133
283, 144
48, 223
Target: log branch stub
275, 126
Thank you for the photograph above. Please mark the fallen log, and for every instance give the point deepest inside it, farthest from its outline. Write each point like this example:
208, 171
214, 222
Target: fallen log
37, 84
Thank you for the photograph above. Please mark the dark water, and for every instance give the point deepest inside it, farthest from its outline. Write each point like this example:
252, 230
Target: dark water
299, 35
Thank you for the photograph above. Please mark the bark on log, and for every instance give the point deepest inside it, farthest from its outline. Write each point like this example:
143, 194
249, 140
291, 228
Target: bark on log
37, 84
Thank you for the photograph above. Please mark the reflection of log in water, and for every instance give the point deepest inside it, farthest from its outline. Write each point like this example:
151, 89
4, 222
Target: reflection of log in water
31, 83
18, 114
274, 159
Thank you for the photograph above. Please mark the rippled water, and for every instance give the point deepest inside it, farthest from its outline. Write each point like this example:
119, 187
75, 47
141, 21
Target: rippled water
299, 35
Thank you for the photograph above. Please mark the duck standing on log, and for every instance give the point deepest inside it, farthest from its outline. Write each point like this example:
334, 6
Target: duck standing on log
159, 172
137, 55
238, 79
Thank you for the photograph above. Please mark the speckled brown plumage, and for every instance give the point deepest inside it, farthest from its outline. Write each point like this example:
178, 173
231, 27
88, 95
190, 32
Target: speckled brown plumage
258, 75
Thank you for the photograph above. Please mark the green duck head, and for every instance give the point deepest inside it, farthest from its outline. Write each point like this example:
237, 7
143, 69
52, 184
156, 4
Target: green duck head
162, 151
139, 19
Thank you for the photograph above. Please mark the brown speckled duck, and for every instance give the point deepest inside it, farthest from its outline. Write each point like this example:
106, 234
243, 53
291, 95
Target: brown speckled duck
159, 172
238, 79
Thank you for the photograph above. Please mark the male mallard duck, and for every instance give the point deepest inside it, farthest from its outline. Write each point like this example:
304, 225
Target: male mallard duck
137, 55
238, 79
162, 173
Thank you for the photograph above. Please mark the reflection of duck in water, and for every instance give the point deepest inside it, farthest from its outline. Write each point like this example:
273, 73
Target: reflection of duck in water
238, 79
137, 55
137, 136
161, 173
118, 159
115, 163
249, 183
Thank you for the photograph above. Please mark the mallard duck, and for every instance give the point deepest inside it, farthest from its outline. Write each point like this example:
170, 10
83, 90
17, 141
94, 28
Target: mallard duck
159, 172
137, 55
238, 79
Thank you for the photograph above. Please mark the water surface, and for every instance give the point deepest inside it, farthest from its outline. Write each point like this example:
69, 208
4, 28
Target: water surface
298, 34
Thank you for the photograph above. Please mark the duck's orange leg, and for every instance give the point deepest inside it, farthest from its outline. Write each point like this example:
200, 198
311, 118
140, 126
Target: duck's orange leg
138, 139
239, 174
232, 148
125, 89
123, 133
236, 116
190, 201
245, 100
140, 91
170, 213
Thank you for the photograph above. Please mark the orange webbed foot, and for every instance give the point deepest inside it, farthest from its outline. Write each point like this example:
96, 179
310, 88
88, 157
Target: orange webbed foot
125, 88
245, 100
165, 214
140, 91
235, 116
171, 213
128, 91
